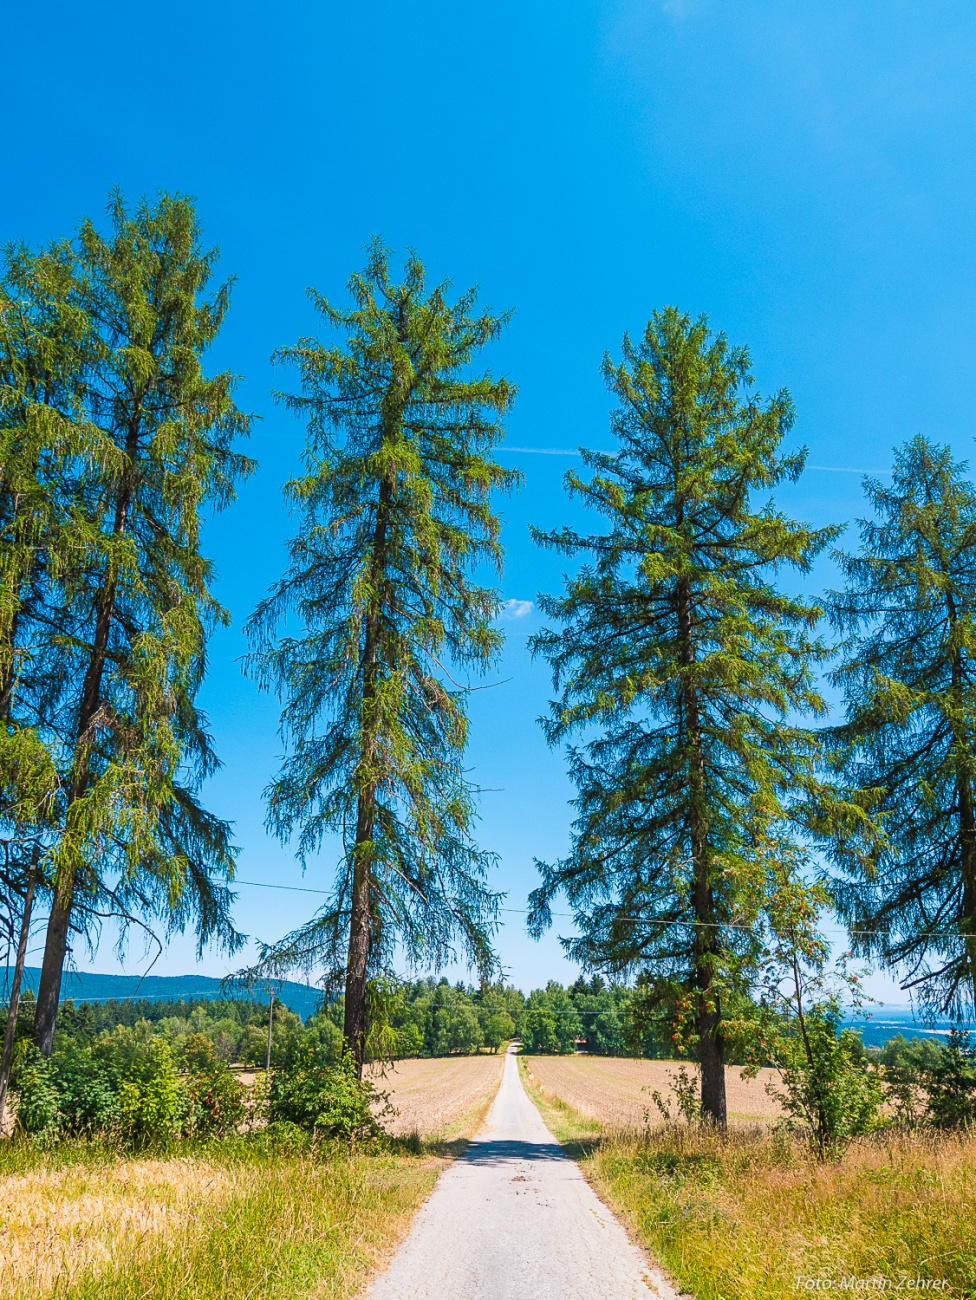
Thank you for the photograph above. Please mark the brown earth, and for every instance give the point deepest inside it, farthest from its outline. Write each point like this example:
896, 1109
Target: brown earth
435, 1097
617, 1091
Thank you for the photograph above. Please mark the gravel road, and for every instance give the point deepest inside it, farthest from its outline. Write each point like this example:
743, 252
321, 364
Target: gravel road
514, 1219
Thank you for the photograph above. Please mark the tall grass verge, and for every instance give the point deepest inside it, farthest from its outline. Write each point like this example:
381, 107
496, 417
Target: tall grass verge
753, 1215
235, 1221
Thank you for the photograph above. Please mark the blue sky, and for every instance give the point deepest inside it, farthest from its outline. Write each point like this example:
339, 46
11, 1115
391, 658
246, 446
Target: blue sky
801, 172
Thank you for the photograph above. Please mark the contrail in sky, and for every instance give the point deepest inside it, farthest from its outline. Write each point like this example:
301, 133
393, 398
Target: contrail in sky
565, 451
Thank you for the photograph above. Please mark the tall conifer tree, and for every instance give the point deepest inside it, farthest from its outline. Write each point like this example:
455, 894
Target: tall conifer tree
909, 677
42, 442
394, 514
681, 666
118, 634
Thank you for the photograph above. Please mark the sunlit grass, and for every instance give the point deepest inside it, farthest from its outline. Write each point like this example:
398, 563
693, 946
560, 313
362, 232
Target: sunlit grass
234, 1219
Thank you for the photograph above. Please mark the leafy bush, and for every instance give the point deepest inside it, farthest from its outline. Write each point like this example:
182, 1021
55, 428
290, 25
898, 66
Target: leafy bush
330, 1102
38, 1109
830, 1090
686, 1097
215, 1103
75, 1093
152, 1101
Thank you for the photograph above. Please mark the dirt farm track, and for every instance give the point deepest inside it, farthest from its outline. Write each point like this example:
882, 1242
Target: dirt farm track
617, 1091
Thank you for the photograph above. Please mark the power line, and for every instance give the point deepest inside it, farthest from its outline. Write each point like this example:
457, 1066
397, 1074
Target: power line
632, 920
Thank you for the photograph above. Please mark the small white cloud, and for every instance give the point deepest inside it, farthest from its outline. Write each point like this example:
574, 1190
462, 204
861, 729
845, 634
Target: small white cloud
516, 608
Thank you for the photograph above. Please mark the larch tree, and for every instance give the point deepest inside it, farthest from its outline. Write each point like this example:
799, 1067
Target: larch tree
117, 636
682, 670
42, 350
394, 513
909, 677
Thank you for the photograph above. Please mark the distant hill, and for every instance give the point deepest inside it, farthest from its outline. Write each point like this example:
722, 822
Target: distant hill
82, 986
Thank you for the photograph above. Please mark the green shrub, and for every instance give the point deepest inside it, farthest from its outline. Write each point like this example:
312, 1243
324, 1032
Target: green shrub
152, 1101
830, 1090
331, 1102
38, 1109
75, 1093
214, 1103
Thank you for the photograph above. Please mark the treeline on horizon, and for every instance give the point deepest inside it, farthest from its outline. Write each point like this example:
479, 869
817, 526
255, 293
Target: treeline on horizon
718, 812
420, 1018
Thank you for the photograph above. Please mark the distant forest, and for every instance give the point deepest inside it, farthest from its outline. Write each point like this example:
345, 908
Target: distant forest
424, 1018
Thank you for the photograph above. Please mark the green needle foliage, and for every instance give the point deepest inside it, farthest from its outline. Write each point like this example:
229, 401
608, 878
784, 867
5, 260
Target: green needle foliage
909, 677
681, 666
395, 512
116, 443
42, 340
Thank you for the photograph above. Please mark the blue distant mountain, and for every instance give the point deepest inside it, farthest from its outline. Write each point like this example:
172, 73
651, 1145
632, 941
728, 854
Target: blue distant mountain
82, 986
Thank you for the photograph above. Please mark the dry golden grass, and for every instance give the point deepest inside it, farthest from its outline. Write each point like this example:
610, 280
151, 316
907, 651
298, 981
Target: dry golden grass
751, 1216
616, 1091
439, 1097
245, 1220
58, 1224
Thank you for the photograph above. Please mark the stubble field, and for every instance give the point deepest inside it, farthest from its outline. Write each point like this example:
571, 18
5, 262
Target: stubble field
617, 1091
442, 1097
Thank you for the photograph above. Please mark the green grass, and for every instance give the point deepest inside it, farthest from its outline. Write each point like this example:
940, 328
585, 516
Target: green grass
750, 1215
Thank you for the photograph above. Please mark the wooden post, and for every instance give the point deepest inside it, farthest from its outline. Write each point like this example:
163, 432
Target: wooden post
8, 1038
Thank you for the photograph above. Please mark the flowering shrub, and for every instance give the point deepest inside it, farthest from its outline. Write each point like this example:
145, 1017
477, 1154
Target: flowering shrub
214, 1103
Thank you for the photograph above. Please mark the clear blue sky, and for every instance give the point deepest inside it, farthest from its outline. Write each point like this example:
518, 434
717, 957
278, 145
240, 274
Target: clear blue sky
801, 172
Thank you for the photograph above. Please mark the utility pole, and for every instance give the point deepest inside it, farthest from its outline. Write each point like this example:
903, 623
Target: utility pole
8, 1037
267, 1057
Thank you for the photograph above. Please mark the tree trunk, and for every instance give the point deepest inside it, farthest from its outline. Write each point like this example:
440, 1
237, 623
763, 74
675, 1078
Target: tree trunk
967, 867
711, 1047
52, 967
355, 1027
12, 1009
967, 816
360, 922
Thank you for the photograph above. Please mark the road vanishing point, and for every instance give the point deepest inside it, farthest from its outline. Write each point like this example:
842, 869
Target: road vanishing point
514, 1219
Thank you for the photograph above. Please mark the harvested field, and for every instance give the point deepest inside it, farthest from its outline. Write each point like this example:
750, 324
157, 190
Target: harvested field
616, 1091
439, 1097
